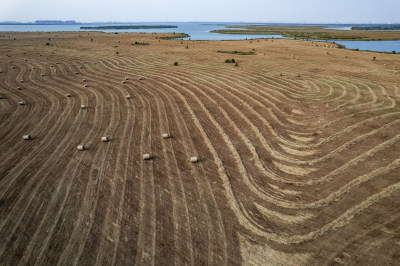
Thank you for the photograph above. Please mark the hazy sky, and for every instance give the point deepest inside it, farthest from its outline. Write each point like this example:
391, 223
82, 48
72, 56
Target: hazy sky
304, 11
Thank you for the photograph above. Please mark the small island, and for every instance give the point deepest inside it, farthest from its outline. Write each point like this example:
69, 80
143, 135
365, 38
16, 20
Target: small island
129, 27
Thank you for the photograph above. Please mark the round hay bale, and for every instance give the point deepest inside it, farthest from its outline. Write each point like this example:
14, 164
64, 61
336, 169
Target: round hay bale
13, 67
123, 82
33, 67
57, 63
22, 81
83, 106
21, 103
26, 137
1, 71
19, 88
85, 85
146, 156
141, 78
1, 97
84, 80
128, 96
51, 66
25, 60
126, 78
165, 136
42, 75
194, 159
104, 139
76, 73
81, 147
68, 94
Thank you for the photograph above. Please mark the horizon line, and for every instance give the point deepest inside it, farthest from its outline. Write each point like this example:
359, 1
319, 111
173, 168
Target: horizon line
252, 22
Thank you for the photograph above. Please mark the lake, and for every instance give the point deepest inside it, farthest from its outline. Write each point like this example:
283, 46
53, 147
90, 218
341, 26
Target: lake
201, 31
196, 30
379, 46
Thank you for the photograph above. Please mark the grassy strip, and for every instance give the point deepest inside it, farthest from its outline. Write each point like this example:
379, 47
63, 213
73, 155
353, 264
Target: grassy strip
128, 27
140, 43
387, 27
236, 52
312, 33
176, 36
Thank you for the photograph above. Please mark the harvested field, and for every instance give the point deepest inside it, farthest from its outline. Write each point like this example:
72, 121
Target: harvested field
298, 152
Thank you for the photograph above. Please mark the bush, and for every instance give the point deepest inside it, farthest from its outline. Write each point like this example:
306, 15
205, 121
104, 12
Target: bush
176, 63
393, 52
236, 65
140, 43
237, 52
228, 61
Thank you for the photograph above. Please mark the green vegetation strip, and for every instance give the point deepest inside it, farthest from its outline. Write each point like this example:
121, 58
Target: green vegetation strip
312, 33
140, 43
388, 27
237, 52
176, 36
129, 27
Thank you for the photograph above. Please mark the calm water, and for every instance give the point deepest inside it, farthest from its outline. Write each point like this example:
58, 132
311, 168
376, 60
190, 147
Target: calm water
201, 31
339, 28
197, 31
380, 46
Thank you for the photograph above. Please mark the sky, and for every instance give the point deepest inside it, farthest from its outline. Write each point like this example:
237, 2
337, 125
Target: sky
300, 11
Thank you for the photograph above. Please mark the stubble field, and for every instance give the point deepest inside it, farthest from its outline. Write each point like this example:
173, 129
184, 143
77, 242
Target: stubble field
298, 147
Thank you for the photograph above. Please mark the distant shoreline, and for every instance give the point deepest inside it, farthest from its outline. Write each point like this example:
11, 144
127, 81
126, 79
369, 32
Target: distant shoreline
129, 27
379, 28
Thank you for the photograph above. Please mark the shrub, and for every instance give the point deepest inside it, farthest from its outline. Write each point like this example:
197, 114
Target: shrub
228, 61
374, 58
236, 65
393, 52
176, 63
140, 43
237, 52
